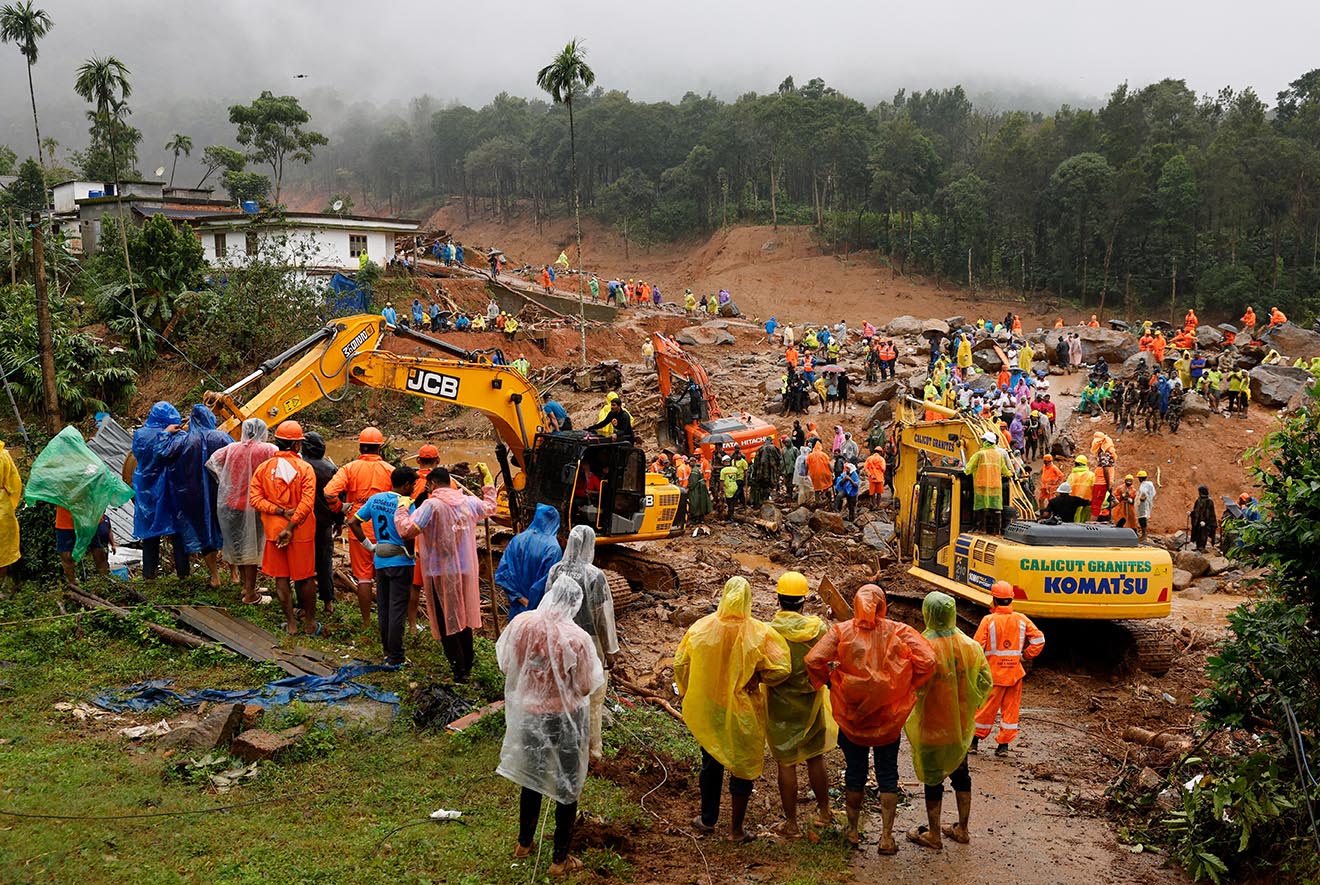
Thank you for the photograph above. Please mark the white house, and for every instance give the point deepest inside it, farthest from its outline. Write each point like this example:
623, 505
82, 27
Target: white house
315, 242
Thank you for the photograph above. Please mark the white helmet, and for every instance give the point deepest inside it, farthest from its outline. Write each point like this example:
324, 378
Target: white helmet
989, 437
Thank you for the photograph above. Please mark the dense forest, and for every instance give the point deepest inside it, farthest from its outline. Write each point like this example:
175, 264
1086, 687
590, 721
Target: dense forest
1159, 197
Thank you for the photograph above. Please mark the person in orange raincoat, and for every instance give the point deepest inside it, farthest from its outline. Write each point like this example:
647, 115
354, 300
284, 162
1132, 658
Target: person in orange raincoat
1190, 322
283, 491
1183, 340
682, 470
1157, 349
1094, 323
1058, 323
875, 477
1017, 325
821, 471
1008, 638
1050, 477
1146, 342
942, 725
352, 485
1277, 317
1123, 509
1249, 319
791, 356
874, 668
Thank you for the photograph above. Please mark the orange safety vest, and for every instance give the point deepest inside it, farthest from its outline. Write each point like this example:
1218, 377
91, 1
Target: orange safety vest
359, 479
1007, 638
791, 355
888, 351
808, 363
683, 472
875, 470
1157, 347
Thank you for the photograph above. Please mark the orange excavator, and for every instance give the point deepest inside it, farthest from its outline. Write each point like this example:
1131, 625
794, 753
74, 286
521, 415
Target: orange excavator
692, 422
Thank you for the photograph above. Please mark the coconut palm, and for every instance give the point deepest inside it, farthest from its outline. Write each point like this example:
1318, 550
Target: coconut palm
564, 78
103, 83
24, 25
179, 144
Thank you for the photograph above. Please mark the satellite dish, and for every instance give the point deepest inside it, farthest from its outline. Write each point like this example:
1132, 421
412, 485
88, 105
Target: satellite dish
337, 205
160, 170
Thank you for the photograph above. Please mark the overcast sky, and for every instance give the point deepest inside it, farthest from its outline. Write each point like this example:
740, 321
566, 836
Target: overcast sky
1028, 52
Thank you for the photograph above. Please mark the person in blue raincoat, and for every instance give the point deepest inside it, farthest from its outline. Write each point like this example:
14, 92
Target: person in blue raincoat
770, 326
527, 560
155, 514
195, 488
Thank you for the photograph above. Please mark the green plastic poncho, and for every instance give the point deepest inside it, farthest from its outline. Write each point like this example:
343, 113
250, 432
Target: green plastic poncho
722, 666
801, 725
699, 502
942, 723
70, 475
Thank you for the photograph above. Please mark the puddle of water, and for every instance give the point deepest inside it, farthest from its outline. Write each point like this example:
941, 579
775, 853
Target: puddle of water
755, 561
452, 451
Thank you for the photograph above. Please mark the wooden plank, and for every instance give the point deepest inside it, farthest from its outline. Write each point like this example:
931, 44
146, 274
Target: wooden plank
201, 618
839, 606
251, 641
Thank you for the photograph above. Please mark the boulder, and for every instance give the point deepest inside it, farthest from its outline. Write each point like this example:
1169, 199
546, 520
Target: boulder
904, 325
1217, 565
258, 743
799, 516
215, 729
1128, 368
931, 327
955, 322
1113, 346
881, 413
1195, 406
1292, 341
772, 386
984, 356
1278, 385
702, 336
870, 395
1209, 336
826, 521
686, 615
774, 407
730, 309
1204, 585
1195, 564
877, 534
1181, 579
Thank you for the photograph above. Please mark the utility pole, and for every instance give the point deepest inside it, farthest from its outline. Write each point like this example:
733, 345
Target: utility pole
45, 339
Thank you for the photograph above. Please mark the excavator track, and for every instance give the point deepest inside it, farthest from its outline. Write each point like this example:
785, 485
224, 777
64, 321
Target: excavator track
1153, 648
645, 574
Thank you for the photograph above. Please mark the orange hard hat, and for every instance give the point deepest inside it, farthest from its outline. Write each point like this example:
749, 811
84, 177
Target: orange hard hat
371, 436
428, 452
290, 430
1001, 590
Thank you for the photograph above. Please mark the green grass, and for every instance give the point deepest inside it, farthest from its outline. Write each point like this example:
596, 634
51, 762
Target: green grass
350, 809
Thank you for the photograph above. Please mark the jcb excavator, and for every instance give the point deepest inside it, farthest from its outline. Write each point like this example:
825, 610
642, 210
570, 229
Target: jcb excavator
589, 479
692, 422
1085, 571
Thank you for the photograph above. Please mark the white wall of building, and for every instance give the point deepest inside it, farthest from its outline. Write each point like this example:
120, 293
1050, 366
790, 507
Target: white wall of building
307, 246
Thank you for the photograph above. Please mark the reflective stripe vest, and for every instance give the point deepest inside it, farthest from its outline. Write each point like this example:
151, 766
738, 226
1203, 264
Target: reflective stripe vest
1007, 638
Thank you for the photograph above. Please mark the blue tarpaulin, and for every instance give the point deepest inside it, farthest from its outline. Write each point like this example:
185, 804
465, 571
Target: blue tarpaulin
347, 296
340, 686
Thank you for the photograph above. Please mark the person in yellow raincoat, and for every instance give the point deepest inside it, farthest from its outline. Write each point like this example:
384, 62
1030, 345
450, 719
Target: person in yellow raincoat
11, 492
943, 722
801, 727
964, 353
721, 667
986, 467
1081, 479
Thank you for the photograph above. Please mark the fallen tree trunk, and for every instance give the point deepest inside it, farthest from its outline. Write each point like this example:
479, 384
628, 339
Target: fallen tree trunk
1161, 740
169, 634
648, 696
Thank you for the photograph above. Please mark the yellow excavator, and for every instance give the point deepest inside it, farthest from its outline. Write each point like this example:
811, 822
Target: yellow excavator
1075, 571
589, 479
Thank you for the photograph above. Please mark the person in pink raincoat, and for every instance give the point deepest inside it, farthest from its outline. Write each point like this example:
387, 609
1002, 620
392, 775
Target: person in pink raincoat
447, 521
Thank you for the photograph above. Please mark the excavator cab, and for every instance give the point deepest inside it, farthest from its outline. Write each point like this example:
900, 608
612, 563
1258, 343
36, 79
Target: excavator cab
944, 508
601, 482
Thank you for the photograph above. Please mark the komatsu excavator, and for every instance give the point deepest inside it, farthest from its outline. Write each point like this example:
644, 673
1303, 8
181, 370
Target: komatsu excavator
592, 480
692, 423
1086, 571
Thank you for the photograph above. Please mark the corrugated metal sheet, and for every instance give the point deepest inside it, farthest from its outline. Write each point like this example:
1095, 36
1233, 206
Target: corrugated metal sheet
112, 444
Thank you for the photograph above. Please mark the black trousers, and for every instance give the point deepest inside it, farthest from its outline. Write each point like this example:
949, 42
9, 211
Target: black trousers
393, 587
960, 779
151, 556
325, 561
711, 784
529, 811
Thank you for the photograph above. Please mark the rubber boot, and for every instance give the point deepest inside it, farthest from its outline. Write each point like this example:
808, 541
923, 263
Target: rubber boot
853, 807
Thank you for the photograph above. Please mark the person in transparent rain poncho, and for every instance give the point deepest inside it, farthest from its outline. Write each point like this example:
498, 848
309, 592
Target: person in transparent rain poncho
596, 616
550, 670
240, 523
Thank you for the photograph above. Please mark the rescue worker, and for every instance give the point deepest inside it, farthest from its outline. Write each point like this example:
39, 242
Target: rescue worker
987, 467
800, 726
820, 471
689, 301
1065, 506
728, 486
550, 672
888, 357
1082, 479
617, 420
595, 616
1123, 504
1106, 455
873, 667
1203, 519
1248, 319
606, 428
1008, 638
720, 667
155, 510
283, 491
1050, 478
1145, 500
392, 561
1190, 322
942, 725
527, 560
788, 335
875, 466
349, 489
764, 475
846, 487
1277, 317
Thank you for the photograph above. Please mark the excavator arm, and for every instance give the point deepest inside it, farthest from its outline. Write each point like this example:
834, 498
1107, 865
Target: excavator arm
670, 360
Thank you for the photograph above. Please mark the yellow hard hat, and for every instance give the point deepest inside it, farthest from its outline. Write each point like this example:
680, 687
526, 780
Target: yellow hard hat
1081, 459
1141, 474
792, 584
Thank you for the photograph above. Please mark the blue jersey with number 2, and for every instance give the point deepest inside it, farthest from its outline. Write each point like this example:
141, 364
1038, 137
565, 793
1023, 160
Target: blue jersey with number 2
379, 511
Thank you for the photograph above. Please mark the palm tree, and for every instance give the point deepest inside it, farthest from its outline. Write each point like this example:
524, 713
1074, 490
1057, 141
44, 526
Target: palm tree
103, 83
20, 23
180, 144
564, 78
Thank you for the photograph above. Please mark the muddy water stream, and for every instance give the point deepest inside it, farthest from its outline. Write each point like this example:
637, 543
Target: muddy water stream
452, 451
